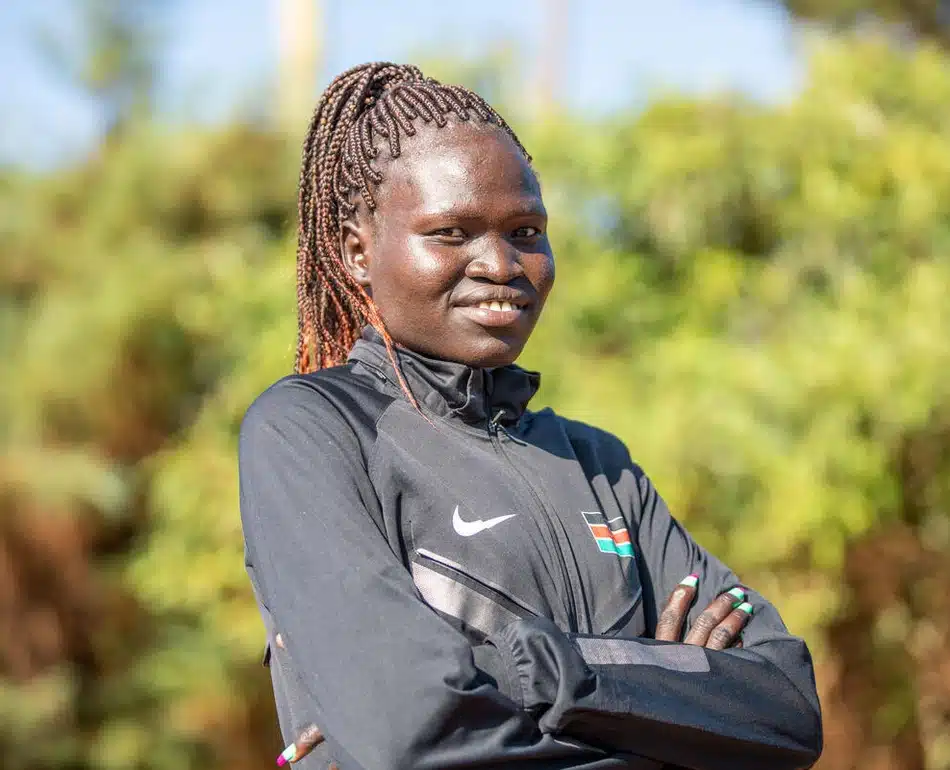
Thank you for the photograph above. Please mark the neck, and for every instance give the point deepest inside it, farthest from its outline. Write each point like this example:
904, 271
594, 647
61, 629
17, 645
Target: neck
449, 388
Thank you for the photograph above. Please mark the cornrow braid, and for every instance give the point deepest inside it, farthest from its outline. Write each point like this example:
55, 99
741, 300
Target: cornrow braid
377, 103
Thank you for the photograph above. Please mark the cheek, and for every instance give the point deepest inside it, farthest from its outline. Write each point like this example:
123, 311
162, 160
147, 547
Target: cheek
413, 269
432, 269
430, 273
540, 270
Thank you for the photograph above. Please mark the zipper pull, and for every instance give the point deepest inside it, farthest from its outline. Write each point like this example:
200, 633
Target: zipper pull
495, 421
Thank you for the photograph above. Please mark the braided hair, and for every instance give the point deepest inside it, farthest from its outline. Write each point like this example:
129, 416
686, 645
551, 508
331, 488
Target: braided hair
371, 104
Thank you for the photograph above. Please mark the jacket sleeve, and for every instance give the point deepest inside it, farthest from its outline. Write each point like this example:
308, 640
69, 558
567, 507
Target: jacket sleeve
390, 683
737, 709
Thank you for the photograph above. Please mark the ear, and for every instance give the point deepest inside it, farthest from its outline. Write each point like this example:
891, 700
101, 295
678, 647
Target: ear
355, 246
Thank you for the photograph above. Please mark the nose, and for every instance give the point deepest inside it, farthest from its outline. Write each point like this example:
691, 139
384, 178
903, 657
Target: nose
497, 261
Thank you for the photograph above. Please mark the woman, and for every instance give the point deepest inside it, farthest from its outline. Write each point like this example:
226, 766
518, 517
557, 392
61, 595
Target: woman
458, 581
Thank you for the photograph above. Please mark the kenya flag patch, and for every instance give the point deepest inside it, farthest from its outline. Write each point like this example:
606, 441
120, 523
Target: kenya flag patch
611, 536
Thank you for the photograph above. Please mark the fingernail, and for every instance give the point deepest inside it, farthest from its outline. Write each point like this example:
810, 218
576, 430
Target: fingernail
279, 641
287, 755
746, 608
690, 580
738, 593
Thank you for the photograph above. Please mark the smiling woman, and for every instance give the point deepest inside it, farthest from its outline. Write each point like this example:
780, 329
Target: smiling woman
342, 187
456, 258
448, 578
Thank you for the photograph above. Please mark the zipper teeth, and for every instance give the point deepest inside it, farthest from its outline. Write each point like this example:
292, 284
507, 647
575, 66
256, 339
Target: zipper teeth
571, 608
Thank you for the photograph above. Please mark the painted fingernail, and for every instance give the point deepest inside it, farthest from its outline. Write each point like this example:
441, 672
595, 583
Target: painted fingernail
690, 580
737, 593
287, 755
746, 608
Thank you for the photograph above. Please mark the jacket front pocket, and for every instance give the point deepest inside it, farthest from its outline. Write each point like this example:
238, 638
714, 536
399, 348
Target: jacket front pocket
480, 608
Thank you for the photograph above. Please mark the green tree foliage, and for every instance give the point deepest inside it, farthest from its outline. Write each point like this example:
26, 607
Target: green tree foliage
754, 298
929, 19
111, 57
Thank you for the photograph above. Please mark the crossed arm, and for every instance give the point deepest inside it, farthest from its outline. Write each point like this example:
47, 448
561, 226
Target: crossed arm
394, 685
718, 627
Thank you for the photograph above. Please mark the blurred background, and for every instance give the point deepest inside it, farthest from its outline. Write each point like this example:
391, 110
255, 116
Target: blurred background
751, 212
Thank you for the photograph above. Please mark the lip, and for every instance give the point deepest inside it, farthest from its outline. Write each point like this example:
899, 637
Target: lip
496, 318
496, 294
486, 317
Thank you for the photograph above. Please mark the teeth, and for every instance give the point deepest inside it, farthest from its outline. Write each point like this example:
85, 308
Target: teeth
496, 305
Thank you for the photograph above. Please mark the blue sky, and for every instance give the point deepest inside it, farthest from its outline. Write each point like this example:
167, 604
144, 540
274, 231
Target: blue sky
221, 55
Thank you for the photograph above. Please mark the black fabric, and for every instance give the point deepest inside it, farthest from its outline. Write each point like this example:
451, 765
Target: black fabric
447, 388
384, 544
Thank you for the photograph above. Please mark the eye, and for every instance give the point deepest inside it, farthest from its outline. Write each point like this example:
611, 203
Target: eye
449, 233
526, 232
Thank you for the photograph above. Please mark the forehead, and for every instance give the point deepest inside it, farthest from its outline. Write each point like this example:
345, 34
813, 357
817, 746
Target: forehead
469, 165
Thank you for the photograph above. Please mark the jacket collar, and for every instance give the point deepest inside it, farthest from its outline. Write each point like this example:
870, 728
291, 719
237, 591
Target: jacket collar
451, 389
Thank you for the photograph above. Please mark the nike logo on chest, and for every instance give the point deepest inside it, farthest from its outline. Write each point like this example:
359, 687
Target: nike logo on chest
469, 528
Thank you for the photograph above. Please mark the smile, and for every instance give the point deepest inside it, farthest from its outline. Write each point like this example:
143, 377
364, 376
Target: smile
497, 305
494, 313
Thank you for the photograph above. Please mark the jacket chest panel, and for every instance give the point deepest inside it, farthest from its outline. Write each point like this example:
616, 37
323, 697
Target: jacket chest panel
596, 532
494, 528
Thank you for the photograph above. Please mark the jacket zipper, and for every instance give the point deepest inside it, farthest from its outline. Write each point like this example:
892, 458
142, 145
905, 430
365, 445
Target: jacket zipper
493, 429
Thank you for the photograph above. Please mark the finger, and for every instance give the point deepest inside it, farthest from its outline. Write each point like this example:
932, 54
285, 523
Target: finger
728, 630
279, 640
713, 615
669, 625
309, 738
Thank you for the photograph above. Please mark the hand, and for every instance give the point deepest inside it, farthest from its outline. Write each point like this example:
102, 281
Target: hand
308, 739
717, 627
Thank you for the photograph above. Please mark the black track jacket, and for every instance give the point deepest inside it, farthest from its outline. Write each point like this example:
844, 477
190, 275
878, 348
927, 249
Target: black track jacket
477, 589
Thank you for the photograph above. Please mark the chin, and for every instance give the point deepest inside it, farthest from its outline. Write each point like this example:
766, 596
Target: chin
472, 347
491, 353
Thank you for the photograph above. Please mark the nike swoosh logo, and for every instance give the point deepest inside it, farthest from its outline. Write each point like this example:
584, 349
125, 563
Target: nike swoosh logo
469, 528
